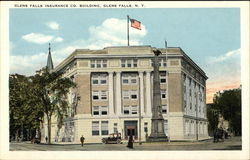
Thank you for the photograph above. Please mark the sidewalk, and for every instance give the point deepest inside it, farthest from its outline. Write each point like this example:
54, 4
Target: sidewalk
172, 142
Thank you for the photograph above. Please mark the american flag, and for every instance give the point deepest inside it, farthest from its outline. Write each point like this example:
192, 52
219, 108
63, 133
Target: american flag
135, 24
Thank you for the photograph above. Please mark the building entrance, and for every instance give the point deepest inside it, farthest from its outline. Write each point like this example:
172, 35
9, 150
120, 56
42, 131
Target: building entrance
130, 128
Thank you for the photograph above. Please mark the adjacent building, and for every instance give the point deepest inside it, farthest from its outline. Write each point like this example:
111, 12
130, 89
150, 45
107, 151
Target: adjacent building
114, 84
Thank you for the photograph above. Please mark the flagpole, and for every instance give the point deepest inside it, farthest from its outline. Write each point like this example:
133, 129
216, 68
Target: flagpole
128, 28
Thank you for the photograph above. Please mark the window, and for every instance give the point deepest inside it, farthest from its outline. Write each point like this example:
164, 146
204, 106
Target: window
184, 89
95, 128
123, 62
163, 94
164, 62
103, 81
184, 78
187, 127
96, 110
129, 63
98, 63
133, 78
94, 81
125, 80
192, 128
146, 127
126, 109
200, 128
166, 127
95, 95
134, 109
104, 63
125, 94
185, 105
115, 128
162, 80
162, 77
133, 81
135, 62
104, 95
99, 95
130, 110
133, 95
99, 78
104, 127
129, 95
190, 106
164, 109
100, 110
129, 78
104, 110
201, 97
92, 64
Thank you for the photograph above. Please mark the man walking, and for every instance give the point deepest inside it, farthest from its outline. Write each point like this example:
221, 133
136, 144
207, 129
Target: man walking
82, 140
130, 142
46, 139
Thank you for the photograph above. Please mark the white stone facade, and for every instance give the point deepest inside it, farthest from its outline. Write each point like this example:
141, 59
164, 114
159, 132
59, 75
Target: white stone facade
115, 83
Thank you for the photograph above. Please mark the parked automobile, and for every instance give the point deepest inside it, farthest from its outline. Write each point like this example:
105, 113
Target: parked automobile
113, 138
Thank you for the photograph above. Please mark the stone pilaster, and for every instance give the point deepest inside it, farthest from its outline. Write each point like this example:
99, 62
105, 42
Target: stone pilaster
111, 93
148, 93
141, 93
118, 94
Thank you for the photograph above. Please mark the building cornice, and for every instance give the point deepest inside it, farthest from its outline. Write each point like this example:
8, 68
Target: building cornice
172, 52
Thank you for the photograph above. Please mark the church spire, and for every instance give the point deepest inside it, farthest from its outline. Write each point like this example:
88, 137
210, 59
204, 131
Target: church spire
49, 61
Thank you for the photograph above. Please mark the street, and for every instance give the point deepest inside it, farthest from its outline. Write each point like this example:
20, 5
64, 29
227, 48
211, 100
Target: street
233, 143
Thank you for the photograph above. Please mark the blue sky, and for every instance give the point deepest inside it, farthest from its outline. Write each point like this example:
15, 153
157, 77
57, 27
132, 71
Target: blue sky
210, 36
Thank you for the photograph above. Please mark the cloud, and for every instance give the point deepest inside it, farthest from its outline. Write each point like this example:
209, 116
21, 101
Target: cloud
223, 73
39, 38
27, 64
224, 57
111, 32
53, 25
58, 39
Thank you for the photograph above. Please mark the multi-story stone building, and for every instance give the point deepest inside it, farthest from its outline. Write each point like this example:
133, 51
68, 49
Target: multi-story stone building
115, 84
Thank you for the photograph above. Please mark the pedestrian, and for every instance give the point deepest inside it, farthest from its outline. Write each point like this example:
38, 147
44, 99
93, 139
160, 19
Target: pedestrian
130, 142
82, 140
46, 138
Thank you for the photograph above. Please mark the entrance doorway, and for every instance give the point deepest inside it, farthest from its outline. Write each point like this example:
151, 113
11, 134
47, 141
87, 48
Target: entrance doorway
130, 128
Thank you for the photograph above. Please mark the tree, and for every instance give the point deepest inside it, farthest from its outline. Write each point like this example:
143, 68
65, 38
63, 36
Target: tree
25, 114
51, 91
228, 103
32, 98
17, 85
212, 116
